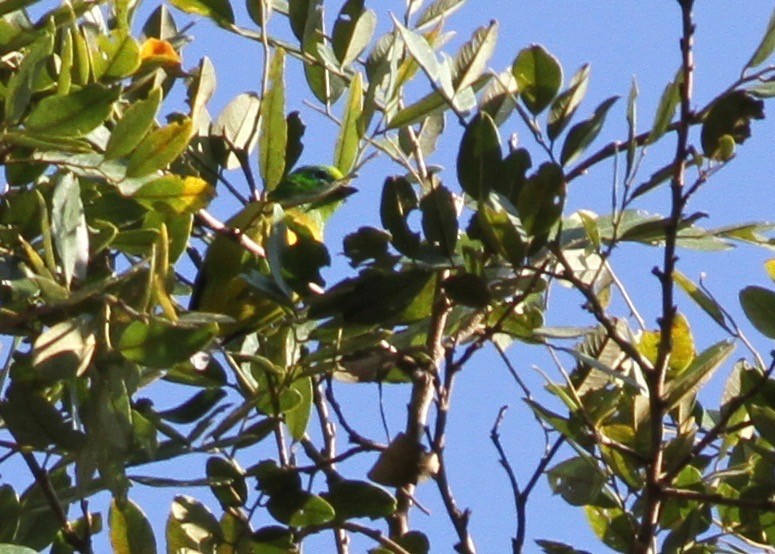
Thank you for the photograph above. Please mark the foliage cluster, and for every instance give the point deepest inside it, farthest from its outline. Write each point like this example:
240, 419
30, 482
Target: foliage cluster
105, 200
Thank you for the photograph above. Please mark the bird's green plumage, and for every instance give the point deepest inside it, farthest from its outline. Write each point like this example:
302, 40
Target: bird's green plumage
308, 195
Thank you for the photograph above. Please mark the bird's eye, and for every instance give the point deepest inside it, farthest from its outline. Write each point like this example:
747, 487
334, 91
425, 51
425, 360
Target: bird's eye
321, 174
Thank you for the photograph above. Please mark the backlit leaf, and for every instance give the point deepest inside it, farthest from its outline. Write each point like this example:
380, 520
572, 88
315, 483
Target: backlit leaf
582, 134
160, 148
133, 125
130, 530
218, 10
766, 46
175, 194
565, 105
471, 61
666, 109
73, 114
351, 130
274, 128
539, 77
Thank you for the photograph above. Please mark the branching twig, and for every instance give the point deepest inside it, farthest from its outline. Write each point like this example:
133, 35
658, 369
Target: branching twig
208, 220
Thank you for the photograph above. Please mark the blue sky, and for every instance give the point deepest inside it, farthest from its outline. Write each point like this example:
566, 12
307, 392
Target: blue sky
621, 39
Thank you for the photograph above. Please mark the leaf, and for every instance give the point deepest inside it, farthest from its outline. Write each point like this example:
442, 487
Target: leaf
352, 31
613, 526
130, 530
420, 50
353, 299
190, 524
501, 230
64, 350
539, 77
133, 125
439, 219
730, 115
541, 200
195, 407
582, 134
577, 480
10, 6
117, 55
69, 229
160, 148
436, 12
471, 60
300, 509
238, 125
666, 109
274, 128
351, 129
759, 307
227, 482
19, 87
218, 10
297, 419
479, 156
159, 344
467, 289
399, 199
766, 46
682, 353
708, 304
325, 85
632, 125
416, 112
73, 114
699, 371
175, 195
565, 105
353, 499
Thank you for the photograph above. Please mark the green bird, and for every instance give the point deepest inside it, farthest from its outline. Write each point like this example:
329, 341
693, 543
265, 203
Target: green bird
308, 196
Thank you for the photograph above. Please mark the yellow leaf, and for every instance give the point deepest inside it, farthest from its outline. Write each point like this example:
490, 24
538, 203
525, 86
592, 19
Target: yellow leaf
769, 265
683, 352
175, 194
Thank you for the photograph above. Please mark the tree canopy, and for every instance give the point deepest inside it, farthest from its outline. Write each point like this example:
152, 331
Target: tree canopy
118, 276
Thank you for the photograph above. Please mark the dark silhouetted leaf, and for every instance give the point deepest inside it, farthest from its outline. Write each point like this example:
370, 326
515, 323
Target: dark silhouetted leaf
582, 134
729, 115
759, 307
479, 156
353, 499
565, 105
227, 482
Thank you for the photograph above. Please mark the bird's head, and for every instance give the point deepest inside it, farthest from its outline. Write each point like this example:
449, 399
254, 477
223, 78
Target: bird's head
311, 184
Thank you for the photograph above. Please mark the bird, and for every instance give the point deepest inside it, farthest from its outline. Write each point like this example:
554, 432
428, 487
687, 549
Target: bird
309, 195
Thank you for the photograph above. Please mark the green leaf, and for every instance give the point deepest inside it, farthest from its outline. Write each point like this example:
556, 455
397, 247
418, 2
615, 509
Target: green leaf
467, 289
554, 547
437, 11
73, 114
708, 304
218, 10
613, 526
160, 344
175, 195
479, 156
766, 46
64, 350
190, 524
632, 125
582, 134
195, 407
352, 31
298, 12
666, 109
354, 499
699, 371
577, 480
471, 60
11, 509
439, 219
565, 105
160, 148
227, 482
15, 548
238, 125
353, 299
730, 115
117, 56
759, 307
763, 418
300, 509
10, 6
130, 530
399, 199
133, 125
541, 200
416, 112
539, 77
420, 50
501, 230
69, 229
351, 129
297, 419
274, 128
19, 91
325, 85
